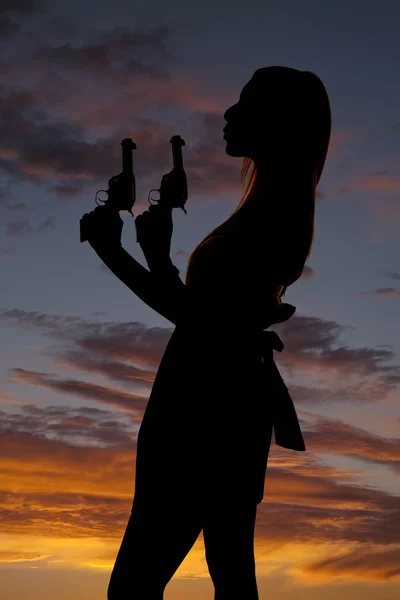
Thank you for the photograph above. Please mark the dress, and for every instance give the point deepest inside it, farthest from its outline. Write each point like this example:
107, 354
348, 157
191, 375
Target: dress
207, 427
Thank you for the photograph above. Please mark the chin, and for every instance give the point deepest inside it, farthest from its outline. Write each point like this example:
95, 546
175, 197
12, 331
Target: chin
231, 150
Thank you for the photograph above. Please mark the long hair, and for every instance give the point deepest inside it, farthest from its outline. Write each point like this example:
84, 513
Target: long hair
302, 112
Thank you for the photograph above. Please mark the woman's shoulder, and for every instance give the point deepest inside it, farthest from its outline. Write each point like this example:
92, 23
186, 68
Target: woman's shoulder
215, 241
222, 249
210, 247
214, 257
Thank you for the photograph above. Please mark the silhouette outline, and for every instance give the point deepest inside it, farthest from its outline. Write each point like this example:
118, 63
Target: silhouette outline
203, 445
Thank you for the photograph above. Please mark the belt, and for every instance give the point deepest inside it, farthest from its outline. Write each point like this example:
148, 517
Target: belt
269, 341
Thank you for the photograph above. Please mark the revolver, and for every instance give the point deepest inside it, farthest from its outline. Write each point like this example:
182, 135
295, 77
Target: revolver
122, 188
179, 175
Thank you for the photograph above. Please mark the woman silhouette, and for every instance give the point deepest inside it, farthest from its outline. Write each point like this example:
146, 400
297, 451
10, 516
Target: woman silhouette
203, 444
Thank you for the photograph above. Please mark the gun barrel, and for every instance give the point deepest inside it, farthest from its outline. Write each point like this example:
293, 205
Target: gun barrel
177, 143
127, 156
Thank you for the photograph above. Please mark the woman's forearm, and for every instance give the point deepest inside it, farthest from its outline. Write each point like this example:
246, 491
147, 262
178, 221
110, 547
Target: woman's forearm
163, 291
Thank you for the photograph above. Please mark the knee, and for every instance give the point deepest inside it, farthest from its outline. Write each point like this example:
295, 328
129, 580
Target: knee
111, 595
135, 591
115, 592
233, 581
223, 565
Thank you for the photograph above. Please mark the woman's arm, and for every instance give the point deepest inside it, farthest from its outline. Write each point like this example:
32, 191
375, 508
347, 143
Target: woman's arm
162, 290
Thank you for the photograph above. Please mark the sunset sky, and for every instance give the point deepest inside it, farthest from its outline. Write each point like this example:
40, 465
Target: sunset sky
79, 351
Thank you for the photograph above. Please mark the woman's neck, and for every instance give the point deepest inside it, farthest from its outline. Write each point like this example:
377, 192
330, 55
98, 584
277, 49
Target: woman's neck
270, 182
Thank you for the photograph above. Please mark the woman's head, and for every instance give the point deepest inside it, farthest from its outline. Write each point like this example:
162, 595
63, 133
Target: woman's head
281, 126
281, 122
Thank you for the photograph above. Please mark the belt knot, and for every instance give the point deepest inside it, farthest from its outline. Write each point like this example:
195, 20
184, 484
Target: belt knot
270, 341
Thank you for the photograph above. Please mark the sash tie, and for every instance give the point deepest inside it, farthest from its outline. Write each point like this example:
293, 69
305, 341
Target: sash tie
270, 340
286, 425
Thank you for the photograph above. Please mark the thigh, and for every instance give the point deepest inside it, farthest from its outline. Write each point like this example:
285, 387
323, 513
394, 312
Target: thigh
157, 538
228, 532
229, 543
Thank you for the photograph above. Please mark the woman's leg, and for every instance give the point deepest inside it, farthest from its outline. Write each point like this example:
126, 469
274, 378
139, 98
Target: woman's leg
229, 548
157, 538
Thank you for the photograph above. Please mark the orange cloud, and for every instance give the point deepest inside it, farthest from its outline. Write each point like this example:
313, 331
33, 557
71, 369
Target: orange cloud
70, 503
361, 562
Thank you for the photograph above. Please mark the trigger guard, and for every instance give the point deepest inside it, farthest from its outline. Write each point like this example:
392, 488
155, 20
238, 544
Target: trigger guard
149, 198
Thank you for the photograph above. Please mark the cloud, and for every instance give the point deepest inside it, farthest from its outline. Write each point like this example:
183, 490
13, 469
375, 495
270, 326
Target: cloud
68, 475
82, 426
339, 139
314, 342
7, 207
48, 127
114, 370
66, 191
391, 274
88, 391
47, 225
21, 556
18, 227
361, 562
362, 391
24, 7
322, 435
131, 341
379, 180
137, 52
382, 292
130, 353
69, 142
182, 253
308, 272
55, 488
337, 437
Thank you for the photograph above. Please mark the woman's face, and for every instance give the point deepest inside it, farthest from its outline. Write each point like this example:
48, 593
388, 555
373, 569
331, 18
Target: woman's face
240, 131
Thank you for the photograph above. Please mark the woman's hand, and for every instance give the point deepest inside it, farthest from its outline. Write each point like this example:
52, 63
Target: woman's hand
154, 229
104, 228
171, 187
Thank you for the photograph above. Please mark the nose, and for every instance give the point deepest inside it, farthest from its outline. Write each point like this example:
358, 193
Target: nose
228, 113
